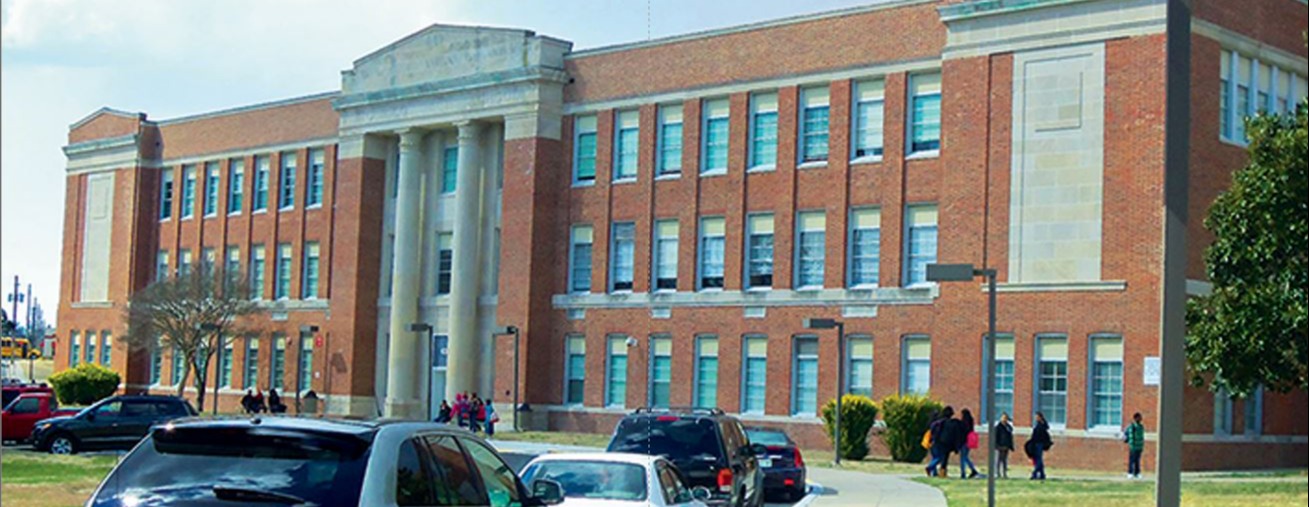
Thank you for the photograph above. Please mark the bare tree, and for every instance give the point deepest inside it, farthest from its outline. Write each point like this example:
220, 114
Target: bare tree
196, 313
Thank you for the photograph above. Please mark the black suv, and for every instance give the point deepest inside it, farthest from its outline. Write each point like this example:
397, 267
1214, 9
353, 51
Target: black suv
117, 422
709, 447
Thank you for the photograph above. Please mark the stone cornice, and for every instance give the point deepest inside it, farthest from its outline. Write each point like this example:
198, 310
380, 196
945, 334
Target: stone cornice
437, 88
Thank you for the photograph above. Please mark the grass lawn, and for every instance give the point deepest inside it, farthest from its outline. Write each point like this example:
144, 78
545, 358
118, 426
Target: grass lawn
1102, 493
41, 480
556, 437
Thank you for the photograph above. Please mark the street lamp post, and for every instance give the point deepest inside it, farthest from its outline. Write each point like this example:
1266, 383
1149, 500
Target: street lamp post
514, 331
306, 331
421, 327
840, 372
965, 273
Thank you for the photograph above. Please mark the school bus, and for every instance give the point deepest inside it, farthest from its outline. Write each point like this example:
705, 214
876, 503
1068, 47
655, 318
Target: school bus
18, 348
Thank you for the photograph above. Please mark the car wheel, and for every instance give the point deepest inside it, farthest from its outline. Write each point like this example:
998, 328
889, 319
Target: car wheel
63, 444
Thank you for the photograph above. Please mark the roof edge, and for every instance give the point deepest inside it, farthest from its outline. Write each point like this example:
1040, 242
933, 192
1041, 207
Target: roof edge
397, 42
252, 107
106, 110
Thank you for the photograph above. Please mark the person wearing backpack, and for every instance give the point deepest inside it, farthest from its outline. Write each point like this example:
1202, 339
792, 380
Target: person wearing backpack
941, 448
965, 426
1037, 446
1134, 437
1004, 444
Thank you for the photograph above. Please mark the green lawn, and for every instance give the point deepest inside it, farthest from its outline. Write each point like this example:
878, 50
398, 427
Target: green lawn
40, 480
1103, 493
597, 440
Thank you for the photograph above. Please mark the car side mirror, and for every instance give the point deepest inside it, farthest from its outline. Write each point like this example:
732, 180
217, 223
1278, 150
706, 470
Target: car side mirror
700, 493
758, 449
547, 492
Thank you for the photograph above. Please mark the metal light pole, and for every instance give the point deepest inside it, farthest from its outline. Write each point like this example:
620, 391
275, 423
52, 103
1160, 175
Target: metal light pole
423, 327
840, 372
514, 331
305, 331
964, 273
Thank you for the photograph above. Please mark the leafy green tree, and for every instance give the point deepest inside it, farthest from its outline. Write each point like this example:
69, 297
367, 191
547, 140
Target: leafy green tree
1251, 330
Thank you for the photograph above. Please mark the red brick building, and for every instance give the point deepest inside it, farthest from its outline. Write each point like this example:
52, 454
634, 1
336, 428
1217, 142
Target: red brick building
657, 218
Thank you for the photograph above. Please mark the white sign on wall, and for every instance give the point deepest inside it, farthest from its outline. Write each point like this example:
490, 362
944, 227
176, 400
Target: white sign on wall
1152, 371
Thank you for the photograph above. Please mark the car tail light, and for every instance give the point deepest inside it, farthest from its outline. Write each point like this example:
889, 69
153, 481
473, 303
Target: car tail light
666, 418
799, 461
788, 482
725, 480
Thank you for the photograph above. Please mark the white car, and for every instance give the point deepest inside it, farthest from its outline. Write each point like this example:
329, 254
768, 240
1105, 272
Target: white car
596, 479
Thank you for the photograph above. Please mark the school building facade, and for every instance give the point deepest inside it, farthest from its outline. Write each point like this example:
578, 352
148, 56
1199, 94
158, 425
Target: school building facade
657, 218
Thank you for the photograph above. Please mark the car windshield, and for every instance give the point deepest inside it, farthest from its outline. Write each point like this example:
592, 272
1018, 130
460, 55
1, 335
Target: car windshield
767, 437
592, 479
230, 466
669, 436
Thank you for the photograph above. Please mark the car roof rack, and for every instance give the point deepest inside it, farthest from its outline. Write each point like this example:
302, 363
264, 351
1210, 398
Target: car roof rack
680, 410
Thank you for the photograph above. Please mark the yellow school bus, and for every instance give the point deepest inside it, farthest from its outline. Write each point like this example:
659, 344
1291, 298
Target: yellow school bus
18, 348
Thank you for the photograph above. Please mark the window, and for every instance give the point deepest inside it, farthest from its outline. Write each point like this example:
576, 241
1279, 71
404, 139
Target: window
759, 251
763, 131
499, 480
811, 227
712, 250
286, 182
165, 194
1106, 381
868, 115
616, 372
232, 266
212, 177
161, 266
925, 122
251, 362
74, 348
412, 486
1265, 80
208, 259
1223, 413
804, 386
1225, 96
156, 362
309, 285
225, 364
261, 184
1254, 412
1243, 103
670, 139
179, 365
1004, 375
188, 191
706, 372
665, 255
921, 247
235, 185
184, 262
623, 254
584, 150
453, 479
626, 138
1250, 86
661, 370
282, 290
314, 177
865, 249
106, 348
917, 369
306, 362
449, 168
859, 371
756, 375
257, 271
579, 260
1052, 378
814, 114
715, 128
444, 261
575, 366
91, 341
277, 373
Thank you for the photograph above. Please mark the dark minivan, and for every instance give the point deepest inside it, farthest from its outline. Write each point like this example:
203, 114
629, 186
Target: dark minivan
117, 422
709, 447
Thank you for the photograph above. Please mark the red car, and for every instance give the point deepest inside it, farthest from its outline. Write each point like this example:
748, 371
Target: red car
23, 413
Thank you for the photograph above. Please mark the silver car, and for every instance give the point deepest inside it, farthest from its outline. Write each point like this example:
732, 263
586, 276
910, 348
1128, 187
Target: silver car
315, 462
615, 479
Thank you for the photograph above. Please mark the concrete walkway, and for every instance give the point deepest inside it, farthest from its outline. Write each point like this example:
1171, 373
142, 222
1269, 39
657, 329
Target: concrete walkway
841, 488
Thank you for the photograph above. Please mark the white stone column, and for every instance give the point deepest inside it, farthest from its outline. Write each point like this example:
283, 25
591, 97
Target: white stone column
404, 352
465, 347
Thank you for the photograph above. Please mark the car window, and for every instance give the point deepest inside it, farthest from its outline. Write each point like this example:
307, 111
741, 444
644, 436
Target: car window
730, 438
138, 409
111, 409
669, 436
592, 480
500, 482
674, 490
170, 409
767, 437
412, 485
452, 478
25, 406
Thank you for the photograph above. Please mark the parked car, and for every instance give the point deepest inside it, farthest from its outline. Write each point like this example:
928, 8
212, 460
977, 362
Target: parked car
783, 466
322, 462
118, 422
615, 478
13, 388
709, 448
23, 413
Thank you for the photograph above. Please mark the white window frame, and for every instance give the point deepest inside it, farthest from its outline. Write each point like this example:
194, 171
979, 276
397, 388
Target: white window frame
583, 125
696, 388
852, 227
655, 345
666, 112
905, 361
857, 100
797, 260
758, 107
705, 118
626, 122
749, 250
909, 225
1037, 373
703, 235
813, 98
795, 375
285, 252
850, 360
289, 164
613, 343
572, 256
909, 115
658, 258
314, 174
310, 252
568, 369
188, 192
261, 184
745, 372
1094, 360
613, 258
235, 186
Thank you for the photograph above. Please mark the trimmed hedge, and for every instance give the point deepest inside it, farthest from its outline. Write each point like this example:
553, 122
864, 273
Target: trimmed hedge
84, 384
858, 414
907, 418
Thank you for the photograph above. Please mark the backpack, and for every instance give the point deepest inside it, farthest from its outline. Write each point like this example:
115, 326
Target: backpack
927, 439
973, 440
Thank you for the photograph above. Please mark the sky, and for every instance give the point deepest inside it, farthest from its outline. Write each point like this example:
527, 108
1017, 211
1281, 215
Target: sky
61, 60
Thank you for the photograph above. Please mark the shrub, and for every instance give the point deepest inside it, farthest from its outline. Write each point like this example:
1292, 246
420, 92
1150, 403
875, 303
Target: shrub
907, 418
858, 414
84, 384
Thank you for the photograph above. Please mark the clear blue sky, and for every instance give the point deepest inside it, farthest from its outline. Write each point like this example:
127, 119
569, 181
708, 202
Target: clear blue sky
63, 59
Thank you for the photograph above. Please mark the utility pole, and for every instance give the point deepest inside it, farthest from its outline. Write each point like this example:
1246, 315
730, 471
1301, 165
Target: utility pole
15, 297
29, 311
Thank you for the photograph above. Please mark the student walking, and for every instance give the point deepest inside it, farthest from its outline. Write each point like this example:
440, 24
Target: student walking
1037, 446
966, 427
940, 448
1134, 437
1004, 444
489, 415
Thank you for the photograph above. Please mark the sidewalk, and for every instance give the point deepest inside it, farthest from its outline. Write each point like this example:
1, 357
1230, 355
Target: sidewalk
841, 488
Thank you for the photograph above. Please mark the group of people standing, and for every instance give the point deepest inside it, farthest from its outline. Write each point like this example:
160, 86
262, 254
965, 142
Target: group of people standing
253, 402
470, 412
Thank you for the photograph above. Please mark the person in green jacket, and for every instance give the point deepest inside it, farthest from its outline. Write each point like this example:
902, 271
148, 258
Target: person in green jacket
1134, 436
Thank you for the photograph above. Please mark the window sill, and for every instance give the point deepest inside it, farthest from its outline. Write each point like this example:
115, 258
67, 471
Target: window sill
865, 287
624, 292
920, 155
625, 181
668, 176
709, 290
758, 289
183, 219
762, 169
211, 215
713, 173
314, 206
816, 164
284, 209
168, 219
1233, 142
234, 213
872, 159
809, 288
664, 291
583, 184
259, 212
